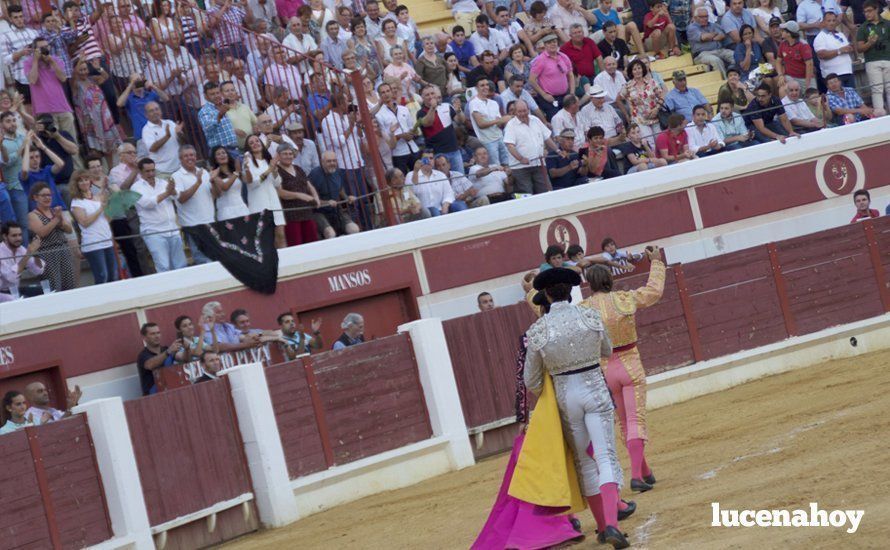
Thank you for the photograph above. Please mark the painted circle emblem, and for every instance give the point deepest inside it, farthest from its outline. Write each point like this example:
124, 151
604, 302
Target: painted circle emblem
563, 231
840, 174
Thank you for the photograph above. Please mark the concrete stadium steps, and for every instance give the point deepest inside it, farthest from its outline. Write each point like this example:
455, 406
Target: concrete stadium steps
701, 81
430, 15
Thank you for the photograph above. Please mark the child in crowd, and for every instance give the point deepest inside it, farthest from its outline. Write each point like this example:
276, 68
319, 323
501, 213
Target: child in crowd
621, 261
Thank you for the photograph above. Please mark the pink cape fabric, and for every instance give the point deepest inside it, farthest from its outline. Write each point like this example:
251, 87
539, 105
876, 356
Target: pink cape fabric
514, 523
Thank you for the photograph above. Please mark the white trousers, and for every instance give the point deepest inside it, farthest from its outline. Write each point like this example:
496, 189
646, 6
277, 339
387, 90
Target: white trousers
588, 417
879, 80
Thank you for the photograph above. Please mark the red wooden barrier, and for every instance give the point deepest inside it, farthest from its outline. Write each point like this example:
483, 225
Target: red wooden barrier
872, 236
341, 406
483, 349
51, 488
188, 450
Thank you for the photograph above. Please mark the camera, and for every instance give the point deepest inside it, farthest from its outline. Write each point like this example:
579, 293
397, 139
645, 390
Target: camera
226, 102
353, 108
425, 161
139, 84
44, 51
49, 128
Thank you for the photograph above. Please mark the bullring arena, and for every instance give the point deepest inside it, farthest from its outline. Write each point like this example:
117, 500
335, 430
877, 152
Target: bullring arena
765, 363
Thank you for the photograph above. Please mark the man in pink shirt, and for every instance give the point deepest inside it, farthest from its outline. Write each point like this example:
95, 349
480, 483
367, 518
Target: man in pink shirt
46, 76
551, 76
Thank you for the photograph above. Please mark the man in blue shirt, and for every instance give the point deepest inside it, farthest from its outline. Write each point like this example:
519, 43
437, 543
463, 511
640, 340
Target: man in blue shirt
569, 170
135, 97
733, 20
218, 129
328, 182
683, 99
463, 49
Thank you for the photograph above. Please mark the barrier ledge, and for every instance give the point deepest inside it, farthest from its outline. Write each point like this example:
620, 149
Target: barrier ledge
383, 472
127, 541
104, 300
718, 374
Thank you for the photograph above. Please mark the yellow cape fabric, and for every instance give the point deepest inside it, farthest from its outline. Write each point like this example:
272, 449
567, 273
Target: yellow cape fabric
545, 472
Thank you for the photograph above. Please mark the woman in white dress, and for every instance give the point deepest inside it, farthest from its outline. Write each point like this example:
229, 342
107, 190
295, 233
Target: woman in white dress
226, 185
260, 172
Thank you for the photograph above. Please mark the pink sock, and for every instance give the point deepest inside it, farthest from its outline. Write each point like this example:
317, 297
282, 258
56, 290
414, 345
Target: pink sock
621, 504
647, 471
596, 507
609, 494
635, 449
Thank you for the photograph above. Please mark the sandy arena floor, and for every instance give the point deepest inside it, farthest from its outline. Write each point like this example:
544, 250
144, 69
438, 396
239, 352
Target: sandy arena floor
813, 435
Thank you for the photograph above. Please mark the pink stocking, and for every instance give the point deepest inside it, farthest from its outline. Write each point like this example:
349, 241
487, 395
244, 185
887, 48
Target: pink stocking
637, 459
621, 505
596, 506
609, 494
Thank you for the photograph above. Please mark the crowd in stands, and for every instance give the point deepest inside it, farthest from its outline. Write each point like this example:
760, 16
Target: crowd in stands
125, 121
32, 407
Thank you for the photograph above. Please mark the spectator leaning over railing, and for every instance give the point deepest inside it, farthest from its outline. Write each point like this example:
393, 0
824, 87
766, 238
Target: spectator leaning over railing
798, 113
153, 356
864, 211
673, 143
298, 198
211, 364
640, 154
845, 103
731, 127
14, 408
328, 182
526, 137
703, 137
227, 336
40, 412
353, 326
294, 342
193, 344
767, 116
15, 259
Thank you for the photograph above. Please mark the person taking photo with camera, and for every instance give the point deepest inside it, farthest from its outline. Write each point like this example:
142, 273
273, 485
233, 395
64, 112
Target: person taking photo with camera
46, 77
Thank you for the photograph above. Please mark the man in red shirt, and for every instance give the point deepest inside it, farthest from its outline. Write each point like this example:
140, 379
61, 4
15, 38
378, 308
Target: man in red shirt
586, 57
673, 144
862, 200
796, 56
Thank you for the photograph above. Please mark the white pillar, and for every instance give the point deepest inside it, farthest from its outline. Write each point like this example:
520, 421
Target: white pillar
440, 388
120, 475
262, 445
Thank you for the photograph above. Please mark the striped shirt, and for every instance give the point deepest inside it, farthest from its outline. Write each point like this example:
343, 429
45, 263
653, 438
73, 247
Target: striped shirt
13, 41
58, 49
82, 35
228, 31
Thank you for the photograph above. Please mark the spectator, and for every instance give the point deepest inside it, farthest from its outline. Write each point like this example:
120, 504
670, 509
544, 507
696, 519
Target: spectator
586, 58
342, 129
554, 256
485, 301
284, 111
153, 356
241, 320
660, 31
227, 185
40, 412
764, 13
638, 153
644, 97
389, 40
734, 91
463, 189
406, 203
796, 56
226, 24
397, 120
844, 102
463, 49
259, 172
599, 158
486, 39
834, 51
59, 143
464, 12
488, 121
612, 46
305, 150
97, 124
567, 169
767, 116
539, 24
818, 105
731, 127
135, 98
353, 326
298, 197
161, 137
33, 174
599, 113
157, 218
551, 75
436, 120
95, 233
525, 138
864, 211
873, 38
733, 20
192, 342
433, 188
673, 143
120, 177
14, 408
715, 9
13, 141
195, 196
294, 342
430, 66
333, 45
488, 179
748, 53
517, 90
772, 39
211, 364
373, 21
612, 81
488, 70
240, 114
706, 40
18, 45
50, 224
703, 137
15, 259
46, 76
606, 14
328, 182
621, 261
683, 99
568, 118
801, 117
217, 127
565, 13
455, 86
223, 335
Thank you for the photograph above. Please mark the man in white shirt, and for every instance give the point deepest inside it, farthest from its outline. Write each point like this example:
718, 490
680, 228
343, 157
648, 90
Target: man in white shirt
15, 259
160, 137
487, 39
298, 41
702, 135
834, 51
799, 114
525, 138
305, 151
568, 118
284, 75
343, 135
516, 90
487, 122
194, 197
432, 187
599, 113
157, 219
373, 21
398, 121
611, 80
488, 179
565, 13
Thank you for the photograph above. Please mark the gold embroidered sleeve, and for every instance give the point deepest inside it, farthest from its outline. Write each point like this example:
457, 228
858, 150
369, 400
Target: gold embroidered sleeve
650, 294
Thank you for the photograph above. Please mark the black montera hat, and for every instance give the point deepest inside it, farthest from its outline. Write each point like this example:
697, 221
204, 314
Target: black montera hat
556, 276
